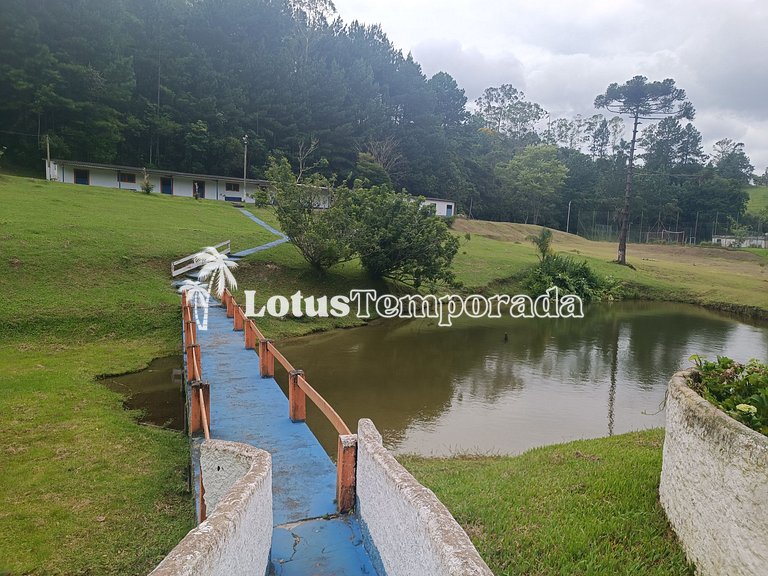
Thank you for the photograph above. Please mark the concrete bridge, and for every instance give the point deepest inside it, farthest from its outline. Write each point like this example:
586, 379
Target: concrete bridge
270, 500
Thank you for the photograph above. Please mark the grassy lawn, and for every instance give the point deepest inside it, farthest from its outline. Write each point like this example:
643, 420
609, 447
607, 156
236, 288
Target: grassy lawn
729, 279
584, 508
758, 198
84, 274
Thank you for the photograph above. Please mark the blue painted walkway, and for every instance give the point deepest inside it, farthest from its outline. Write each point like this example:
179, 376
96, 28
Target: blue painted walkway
308, 538
282, 237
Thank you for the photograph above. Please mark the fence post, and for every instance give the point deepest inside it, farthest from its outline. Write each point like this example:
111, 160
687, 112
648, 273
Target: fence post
230, 305
346, 462
239, 319
193, 366
297, 399
191, 331
250, 335
266, 360
196, 413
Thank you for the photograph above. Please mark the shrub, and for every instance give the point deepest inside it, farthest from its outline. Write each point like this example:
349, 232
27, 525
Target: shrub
398, 237
739, 390
569, 275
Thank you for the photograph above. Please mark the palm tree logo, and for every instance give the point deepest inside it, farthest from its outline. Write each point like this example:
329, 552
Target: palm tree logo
216, 268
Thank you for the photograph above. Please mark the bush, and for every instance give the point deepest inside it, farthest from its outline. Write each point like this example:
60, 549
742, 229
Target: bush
322, 235
570, 276
398, 237
739, 390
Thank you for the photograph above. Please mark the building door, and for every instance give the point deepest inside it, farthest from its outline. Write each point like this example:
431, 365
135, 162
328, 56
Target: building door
166, 185
82, 177
198, 188
449, 210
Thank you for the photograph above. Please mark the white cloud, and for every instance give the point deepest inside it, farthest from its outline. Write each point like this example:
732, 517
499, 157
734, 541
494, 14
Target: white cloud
563, 53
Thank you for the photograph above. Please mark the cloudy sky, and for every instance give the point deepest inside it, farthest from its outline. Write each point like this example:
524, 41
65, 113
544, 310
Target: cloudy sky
562, 53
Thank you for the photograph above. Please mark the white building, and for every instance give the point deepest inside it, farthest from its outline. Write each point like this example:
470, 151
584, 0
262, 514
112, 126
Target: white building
442, 207
748, 242
163, 181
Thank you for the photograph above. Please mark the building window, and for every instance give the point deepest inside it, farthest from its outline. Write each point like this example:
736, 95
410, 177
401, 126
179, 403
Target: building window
127, 178
81, 176
232, 187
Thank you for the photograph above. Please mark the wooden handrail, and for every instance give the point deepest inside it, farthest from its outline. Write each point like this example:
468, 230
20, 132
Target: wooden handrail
324, 407
280, 358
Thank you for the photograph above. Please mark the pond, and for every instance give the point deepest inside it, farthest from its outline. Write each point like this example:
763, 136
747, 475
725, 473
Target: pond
156, 391
504, 386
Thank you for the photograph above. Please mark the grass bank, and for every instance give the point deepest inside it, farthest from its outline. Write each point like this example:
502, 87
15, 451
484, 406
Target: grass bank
586, 507
85, 283
731, 280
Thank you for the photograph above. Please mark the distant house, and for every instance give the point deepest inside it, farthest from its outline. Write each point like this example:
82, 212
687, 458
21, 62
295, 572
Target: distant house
748, 242
164, 181
442, 207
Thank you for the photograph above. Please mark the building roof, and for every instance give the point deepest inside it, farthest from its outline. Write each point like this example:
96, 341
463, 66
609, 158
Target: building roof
155, 171
439, 200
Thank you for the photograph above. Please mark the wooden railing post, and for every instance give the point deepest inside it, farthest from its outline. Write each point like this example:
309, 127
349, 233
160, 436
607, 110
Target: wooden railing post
266, 360
297, 399
230, 305
193, 361
196, 416
250, 335
346, 461
239, 319
190, 334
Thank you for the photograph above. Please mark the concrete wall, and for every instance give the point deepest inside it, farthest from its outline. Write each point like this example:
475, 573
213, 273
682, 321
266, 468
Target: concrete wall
408, 531
441, 207
236, 538
714, 485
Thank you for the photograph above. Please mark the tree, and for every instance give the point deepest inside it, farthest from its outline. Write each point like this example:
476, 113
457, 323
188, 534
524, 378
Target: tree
533, 177
310, 216
399, 237
641, 100
506, 111
730, 161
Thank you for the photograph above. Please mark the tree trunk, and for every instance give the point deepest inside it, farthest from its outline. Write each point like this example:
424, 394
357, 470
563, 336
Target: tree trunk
622, 255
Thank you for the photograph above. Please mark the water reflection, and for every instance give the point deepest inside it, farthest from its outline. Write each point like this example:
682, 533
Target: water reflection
156, 391
434, 390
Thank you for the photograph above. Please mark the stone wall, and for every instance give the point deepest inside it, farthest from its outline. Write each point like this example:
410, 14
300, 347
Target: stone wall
408, 531
237, 535
714, 485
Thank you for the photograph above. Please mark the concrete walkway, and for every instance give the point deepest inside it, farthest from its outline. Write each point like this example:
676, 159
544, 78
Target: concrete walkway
281, 240
308, 537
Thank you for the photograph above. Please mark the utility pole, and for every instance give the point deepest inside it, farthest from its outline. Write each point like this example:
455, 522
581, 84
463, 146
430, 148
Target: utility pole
245, 163
568, 221
48, 154
696, 228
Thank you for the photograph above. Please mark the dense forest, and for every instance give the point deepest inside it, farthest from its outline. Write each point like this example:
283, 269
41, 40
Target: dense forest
177, 84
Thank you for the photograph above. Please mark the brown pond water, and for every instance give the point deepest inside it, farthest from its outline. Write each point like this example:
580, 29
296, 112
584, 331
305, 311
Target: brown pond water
440, 391
155, 390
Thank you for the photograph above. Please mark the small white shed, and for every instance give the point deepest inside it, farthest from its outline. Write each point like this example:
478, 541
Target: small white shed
442, 207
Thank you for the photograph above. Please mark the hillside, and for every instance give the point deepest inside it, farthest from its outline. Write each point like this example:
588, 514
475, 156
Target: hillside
758, 199
726, 279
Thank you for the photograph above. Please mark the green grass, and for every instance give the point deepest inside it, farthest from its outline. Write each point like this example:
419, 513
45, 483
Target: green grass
84, 274
728, 279
758, 199
583, 508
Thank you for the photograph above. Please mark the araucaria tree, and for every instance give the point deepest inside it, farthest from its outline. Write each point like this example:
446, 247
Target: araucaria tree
641, 100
